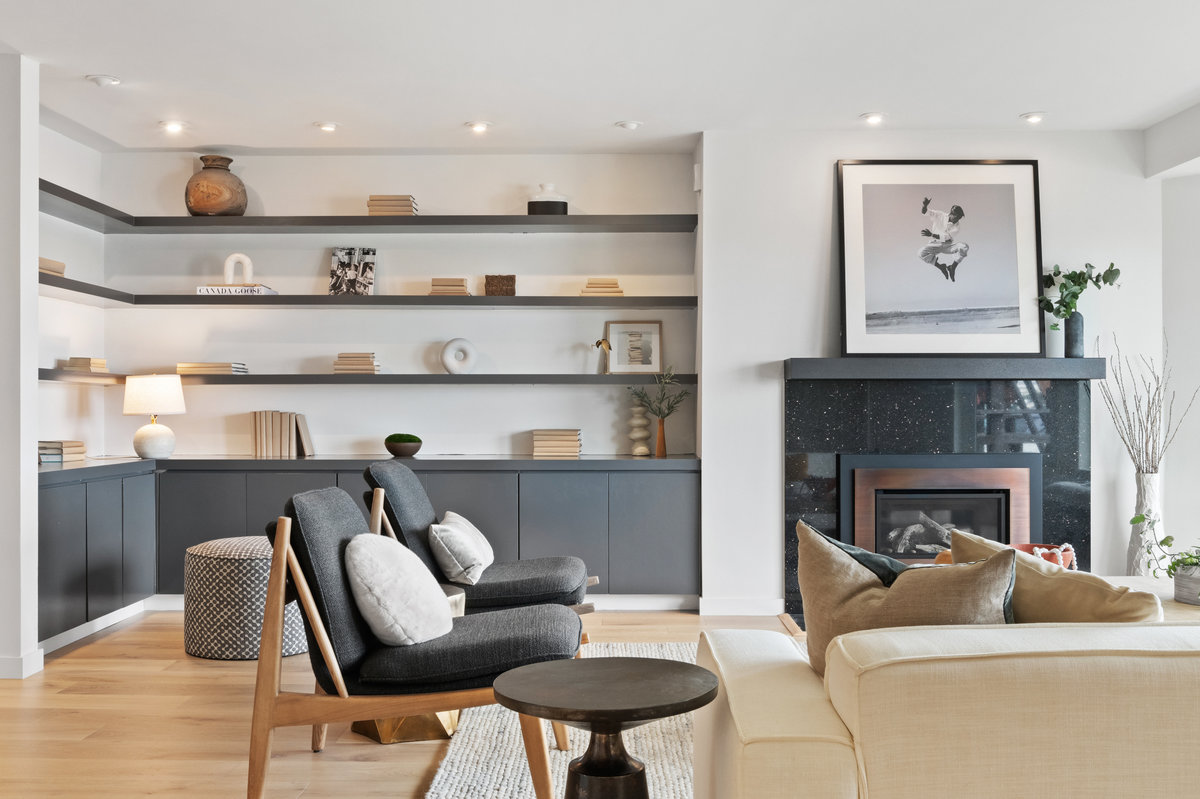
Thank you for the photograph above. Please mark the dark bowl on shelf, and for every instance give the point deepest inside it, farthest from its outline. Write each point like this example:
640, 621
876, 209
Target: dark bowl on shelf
402, 449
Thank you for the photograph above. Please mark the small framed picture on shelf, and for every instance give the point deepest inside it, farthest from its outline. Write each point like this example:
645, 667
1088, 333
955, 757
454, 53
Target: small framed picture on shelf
635, 347
940, 258
352, 271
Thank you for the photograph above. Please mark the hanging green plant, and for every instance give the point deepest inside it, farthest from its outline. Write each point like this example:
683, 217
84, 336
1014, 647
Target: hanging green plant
1070, 286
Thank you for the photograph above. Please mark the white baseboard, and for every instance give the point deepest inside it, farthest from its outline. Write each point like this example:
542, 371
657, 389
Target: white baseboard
740, 606
94, 626
18, 668
644, 601
165, 602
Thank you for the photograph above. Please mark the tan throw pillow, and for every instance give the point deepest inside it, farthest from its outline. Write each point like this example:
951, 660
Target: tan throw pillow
1046, 592
845, 588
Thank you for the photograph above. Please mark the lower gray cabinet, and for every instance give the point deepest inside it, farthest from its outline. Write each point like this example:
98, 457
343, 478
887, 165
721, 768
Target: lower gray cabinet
653, 526
566, 513
268, 492
139, 538
354, 484
487, 499
194, 507
105, 589
62, 558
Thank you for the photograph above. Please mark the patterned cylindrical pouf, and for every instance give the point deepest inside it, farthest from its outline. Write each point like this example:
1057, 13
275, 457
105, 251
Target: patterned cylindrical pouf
224, 593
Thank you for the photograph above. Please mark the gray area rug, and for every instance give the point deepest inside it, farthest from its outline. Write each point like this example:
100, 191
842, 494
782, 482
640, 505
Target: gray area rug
486, 757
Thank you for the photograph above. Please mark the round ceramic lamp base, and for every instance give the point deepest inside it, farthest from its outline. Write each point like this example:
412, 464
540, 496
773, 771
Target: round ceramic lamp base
154, 441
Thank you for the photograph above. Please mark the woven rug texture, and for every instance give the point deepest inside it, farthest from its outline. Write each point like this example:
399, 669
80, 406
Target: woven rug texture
486, 757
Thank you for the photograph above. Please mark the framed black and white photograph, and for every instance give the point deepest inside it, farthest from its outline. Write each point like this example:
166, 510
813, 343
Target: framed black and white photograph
940, 258
635, 347
352, 270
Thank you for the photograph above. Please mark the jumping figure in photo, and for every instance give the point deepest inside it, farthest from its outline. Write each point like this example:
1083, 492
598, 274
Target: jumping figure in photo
944, 251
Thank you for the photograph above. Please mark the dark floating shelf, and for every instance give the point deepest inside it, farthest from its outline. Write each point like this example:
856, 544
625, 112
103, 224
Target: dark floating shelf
80, 210
92, 378
107, 296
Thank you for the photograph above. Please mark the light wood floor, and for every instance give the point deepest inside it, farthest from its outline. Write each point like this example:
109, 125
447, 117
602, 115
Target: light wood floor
127, 713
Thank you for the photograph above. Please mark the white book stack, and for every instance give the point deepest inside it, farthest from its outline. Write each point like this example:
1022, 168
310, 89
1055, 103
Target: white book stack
61, 451
51, 266
252, 289
356, 363
602, 287
91, 365
557, 444
210, 368
449, 287
280, 434
391, 205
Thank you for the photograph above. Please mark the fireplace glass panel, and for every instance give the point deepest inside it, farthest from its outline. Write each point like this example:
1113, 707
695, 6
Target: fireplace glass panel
916, 524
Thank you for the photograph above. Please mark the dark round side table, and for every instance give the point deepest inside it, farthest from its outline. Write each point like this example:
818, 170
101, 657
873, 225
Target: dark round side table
606, 696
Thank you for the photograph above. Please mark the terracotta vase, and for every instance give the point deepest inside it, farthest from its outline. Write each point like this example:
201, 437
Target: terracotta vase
660, 444
214, 190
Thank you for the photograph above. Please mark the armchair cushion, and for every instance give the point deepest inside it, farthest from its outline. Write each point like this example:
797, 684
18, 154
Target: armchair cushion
460, 549
401, 601
555, 581
475, 652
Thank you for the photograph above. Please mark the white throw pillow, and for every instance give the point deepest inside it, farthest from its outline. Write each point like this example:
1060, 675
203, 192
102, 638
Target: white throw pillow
460, 549
400, 600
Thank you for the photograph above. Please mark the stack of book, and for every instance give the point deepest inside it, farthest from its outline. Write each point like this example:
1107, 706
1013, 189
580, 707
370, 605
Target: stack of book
602, 287
51, 267
255, 289
210, 368
356, 363
90, 365
280, 434
60, 451
391, 205
449, 287
561, 444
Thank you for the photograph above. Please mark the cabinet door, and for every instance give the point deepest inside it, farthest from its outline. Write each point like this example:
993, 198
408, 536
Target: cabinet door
62, 559
268, 492
354, 484
487, 499
566, 513
654, 533
138, 538
104, 588
195, 507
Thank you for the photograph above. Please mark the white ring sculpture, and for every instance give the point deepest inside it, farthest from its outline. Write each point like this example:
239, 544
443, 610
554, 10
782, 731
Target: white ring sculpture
459, 356
247, 268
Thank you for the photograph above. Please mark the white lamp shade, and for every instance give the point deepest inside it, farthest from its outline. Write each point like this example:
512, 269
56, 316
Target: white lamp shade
153, 395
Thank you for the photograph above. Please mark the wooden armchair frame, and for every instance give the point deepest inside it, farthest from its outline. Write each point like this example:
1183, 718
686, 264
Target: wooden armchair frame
275, 708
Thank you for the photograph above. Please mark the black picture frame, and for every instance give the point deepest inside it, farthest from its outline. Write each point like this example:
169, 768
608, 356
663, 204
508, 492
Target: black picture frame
922, 284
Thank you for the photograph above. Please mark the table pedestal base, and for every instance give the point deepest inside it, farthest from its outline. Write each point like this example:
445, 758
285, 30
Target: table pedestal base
606, 771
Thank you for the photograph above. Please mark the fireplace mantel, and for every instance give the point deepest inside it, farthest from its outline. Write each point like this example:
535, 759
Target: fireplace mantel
943, 368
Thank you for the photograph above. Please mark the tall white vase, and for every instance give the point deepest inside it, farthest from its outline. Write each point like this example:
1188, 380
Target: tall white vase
1147, 504
639, 430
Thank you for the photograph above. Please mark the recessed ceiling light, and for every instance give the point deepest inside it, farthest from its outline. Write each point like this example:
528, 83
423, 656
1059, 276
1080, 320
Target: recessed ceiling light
629, 124
1033, 117
104, 80
328, 127
479, 126
872, 117
172, 126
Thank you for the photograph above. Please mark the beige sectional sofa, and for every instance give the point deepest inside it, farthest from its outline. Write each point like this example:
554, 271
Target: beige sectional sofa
1031, 710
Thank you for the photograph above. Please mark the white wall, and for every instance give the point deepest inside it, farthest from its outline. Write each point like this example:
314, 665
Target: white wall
770, 286
1181, 286
353, 421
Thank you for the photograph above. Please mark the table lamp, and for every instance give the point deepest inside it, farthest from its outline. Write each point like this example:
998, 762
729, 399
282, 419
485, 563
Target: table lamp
154, 395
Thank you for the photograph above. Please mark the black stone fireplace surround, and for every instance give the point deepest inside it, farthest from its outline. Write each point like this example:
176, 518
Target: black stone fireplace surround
931, 406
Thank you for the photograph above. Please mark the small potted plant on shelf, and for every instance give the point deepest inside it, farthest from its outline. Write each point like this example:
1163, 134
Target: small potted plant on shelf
662, 404
402, 445
1070, 286
1183, 566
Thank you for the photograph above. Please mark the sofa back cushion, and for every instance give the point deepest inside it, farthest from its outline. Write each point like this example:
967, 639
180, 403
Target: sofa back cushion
1046, 592
845, 588
965, 711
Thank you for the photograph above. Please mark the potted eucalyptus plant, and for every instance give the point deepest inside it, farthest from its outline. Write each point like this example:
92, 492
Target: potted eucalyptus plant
1070, 286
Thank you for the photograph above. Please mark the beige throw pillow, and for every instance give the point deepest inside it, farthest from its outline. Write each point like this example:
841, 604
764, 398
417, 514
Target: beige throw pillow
845, 588
1046, 592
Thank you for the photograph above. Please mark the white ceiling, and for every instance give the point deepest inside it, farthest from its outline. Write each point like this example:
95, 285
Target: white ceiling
554, 75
